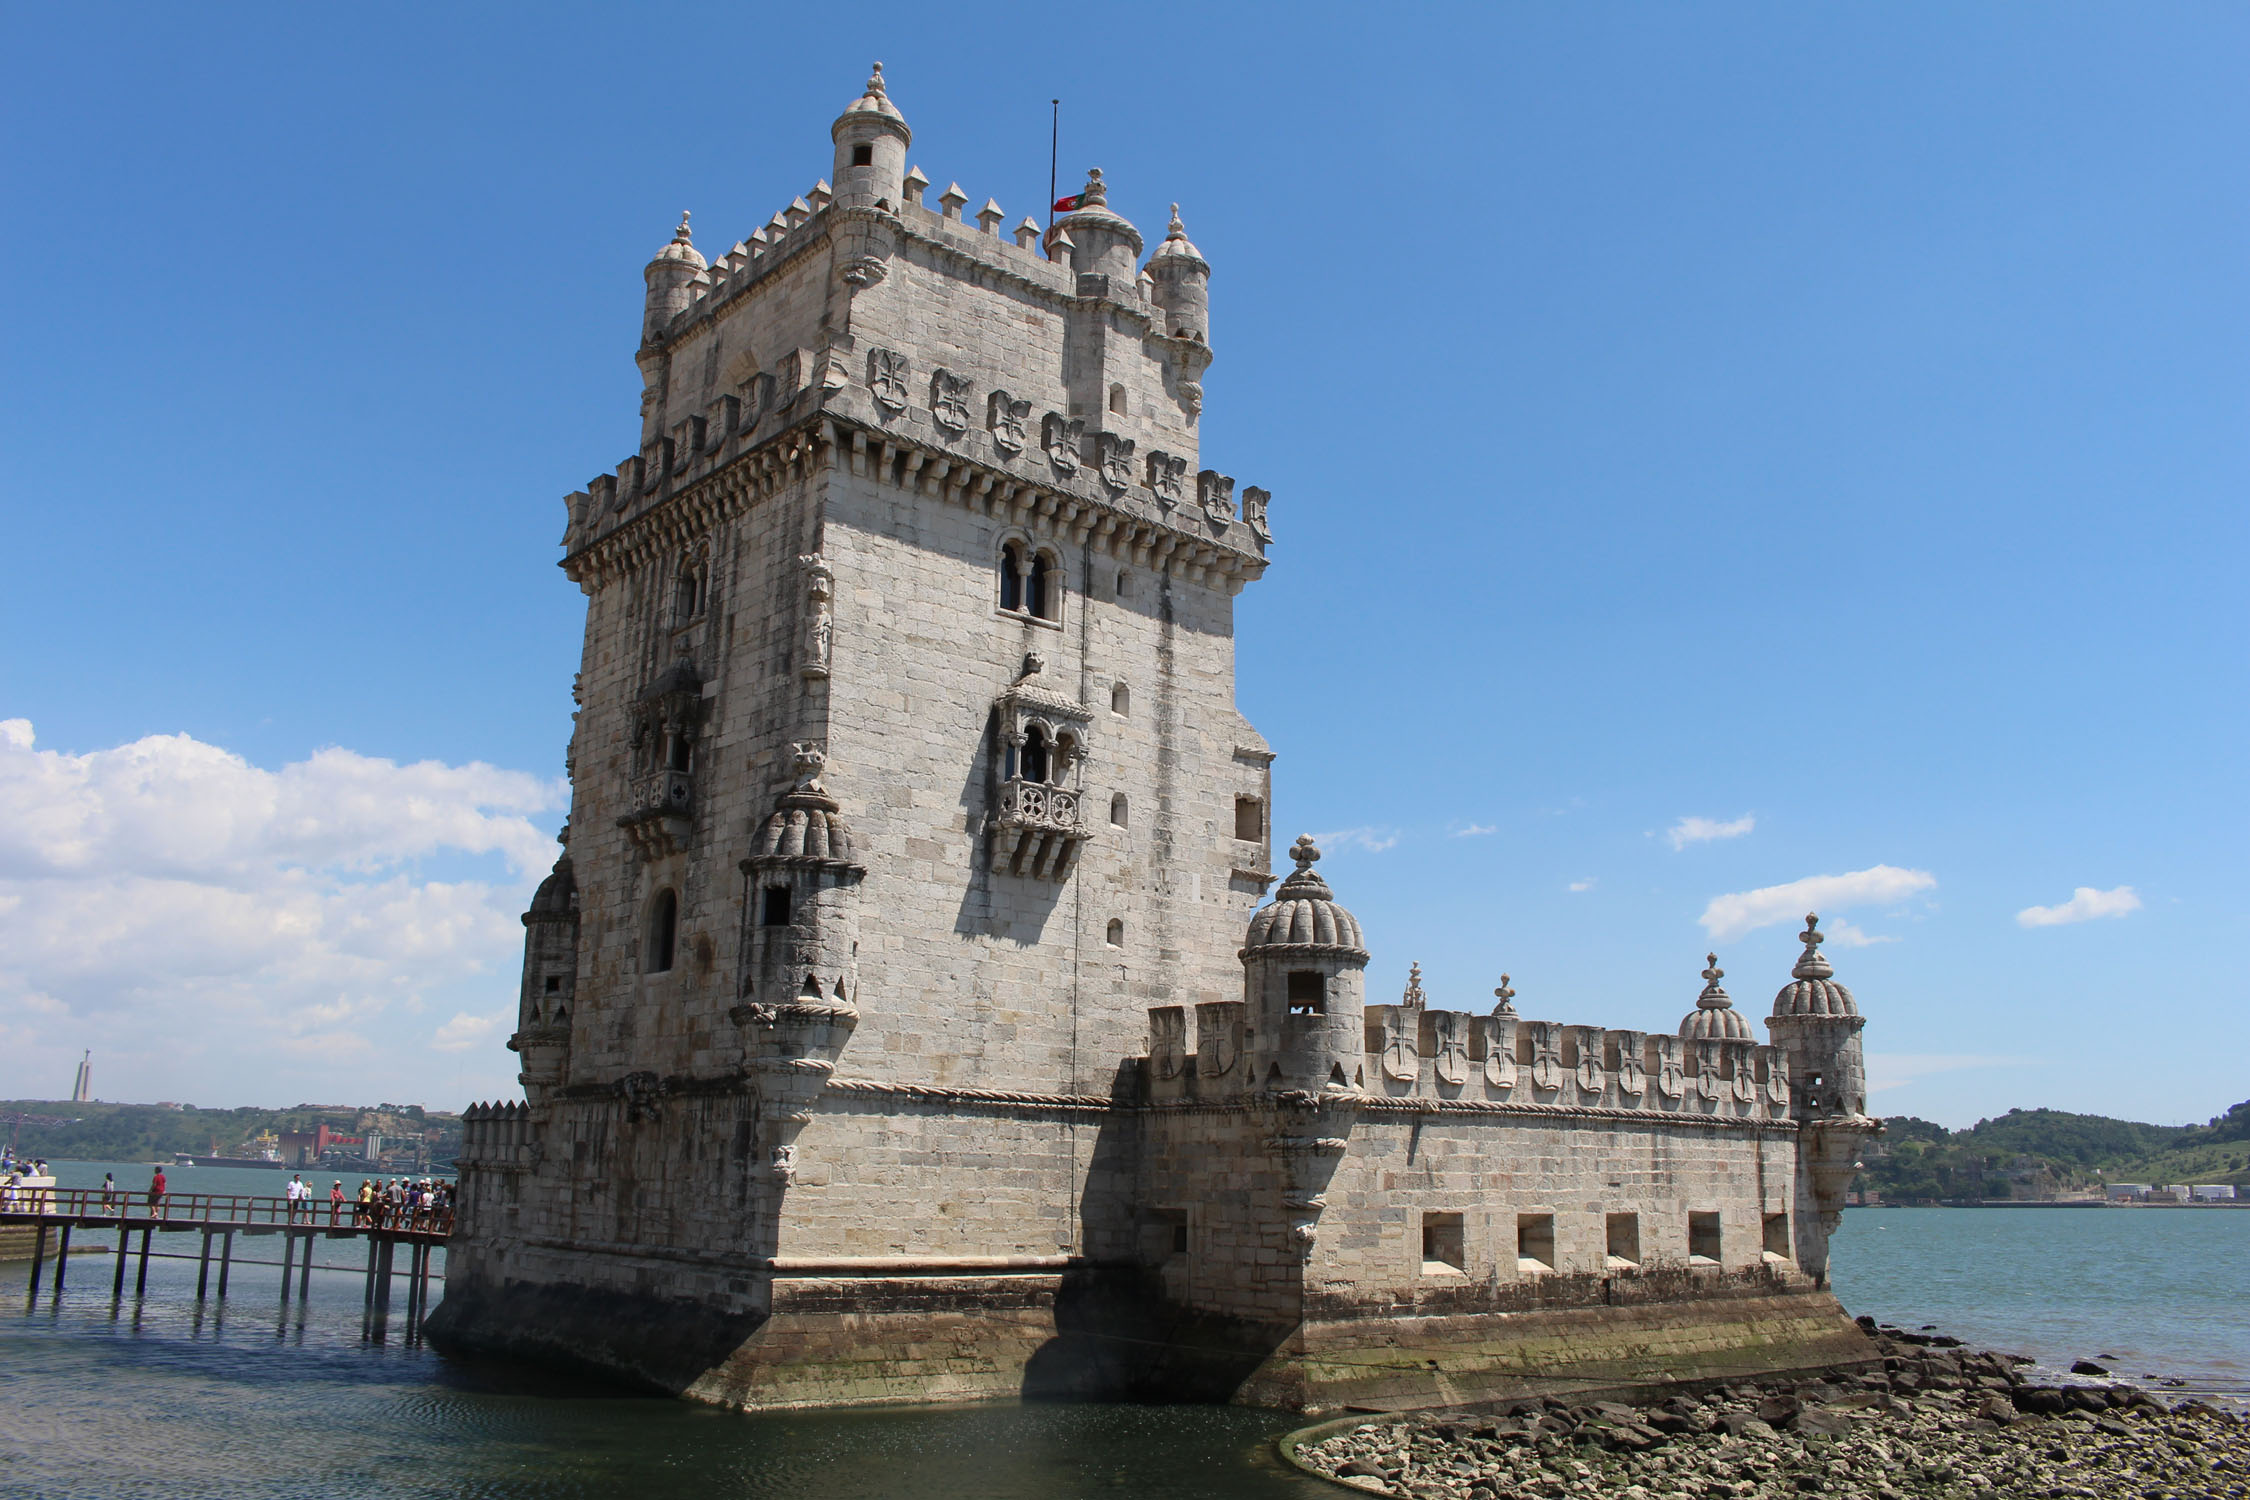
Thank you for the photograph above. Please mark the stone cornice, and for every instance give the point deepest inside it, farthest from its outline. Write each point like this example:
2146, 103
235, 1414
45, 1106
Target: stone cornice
800, 450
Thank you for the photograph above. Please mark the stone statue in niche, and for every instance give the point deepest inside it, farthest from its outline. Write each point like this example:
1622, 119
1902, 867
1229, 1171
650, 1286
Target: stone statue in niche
1007, 418
785, 1165
1167, 478
1254, 512
1060, 436
820, 619
886, 378
1117, 460
949, 401
1215, 492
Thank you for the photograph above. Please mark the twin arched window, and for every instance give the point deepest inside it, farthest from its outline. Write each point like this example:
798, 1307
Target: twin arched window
1030, 582
1042, 758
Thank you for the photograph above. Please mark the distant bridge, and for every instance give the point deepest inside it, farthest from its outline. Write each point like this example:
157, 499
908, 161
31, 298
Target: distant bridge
218, 1218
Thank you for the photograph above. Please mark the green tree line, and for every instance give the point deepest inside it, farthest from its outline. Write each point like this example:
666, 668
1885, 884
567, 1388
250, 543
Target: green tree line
2040, 1153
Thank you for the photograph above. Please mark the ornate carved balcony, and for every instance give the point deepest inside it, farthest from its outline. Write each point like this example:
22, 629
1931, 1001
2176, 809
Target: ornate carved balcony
660, 810
1036, 831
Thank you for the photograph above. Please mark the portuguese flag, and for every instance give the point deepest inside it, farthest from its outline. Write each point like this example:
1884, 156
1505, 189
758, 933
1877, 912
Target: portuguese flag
1066, 205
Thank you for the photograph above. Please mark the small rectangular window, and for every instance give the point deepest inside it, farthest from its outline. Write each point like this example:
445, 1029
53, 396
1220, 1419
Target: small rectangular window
1624, 1240
554, 984
1179, 1237
1308, 992
1249, 819
775, 910
1535, 1242
1443, 1244
1777, 1238
1703, 1239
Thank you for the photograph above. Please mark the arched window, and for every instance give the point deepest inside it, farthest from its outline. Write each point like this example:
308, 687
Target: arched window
1011, 577
1117, 932
1117, 399
1039, 588
681, 756
1035, 757
1121, 700
687, 596
663, 932
1118, 811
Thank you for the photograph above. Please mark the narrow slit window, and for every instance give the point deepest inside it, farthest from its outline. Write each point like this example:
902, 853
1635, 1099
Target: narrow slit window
663, 931
1011, 577
1116, 933
1121, 700
1117, 400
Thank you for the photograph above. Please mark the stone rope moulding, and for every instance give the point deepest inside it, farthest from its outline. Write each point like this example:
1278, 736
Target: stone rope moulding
848, 1033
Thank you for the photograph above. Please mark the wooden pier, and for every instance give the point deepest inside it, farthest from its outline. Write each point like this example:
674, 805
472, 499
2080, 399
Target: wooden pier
218, 1218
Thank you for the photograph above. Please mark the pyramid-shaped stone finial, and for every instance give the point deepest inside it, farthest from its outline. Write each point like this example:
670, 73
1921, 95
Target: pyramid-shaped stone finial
797, 212
1027, 233
951, 201
914, 184
989, 217
820, 196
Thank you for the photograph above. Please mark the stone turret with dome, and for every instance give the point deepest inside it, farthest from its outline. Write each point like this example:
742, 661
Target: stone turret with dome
1812, 989
1304, 961
1714, 1018
671, 278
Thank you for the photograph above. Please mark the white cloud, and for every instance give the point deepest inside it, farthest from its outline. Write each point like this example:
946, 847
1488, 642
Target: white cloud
1475, 830
1584, 885
219, 931
2084, 905
465, 1031
1372, 840
1733, 915
1844, 935
1891, 1070
1705, 830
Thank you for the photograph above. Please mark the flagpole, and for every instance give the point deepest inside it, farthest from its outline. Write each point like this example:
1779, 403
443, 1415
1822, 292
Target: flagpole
1054, 155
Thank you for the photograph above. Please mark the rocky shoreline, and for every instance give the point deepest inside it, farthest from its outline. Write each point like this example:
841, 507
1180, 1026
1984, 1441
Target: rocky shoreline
1934, 1419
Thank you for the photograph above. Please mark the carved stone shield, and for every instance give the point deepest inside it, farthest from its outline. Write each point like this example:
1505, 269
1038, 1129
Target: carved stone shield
1060, 436
1452, 1045
949, 401
1777, 1075
1167, 1041
1254, 501
1008, 419
1745, 1076
1402, 1063
886, 378
1215, 492
1499, 1051
1117, 460
1546, 1056
1167, 479
1218, 1034
1632, 1070
1707, 1080
1669, 1080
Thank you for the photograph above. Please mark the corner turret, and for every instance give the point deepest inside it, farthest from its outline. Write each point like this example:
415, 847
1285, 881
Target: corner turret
1714, 1018
1102, 242
1816, 1023
1182, 279
550, 981
1304, 989
670, 277
871, 140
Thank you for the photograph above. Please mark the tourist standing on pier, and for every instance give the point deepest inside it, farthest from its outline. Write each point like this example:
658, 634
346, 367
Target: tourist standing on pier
335, 1202
364, 1213
156, 1192
109, 1191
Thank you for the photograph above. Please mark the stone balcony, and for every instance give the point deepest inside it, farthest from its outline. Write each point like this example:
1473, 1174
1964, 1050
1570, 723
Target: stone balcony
1037, 831
660, 812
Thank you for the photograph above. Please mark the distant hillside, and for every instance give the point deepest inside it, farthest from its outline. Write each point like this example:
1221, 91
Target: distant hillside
2038, 1153
62, 1131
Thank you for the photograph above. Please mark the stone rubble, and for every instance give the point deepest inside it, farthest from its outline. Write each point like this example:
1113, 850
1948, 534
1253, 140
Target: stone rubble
1935, 1420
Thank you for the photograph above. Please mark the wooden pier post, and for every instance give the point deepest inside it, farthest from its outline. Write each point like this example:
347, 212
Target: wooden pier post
124, 1245
203, 1267
38, 1259
226, 1262
140, 1282
304, 1273
288, 1249
62, 1259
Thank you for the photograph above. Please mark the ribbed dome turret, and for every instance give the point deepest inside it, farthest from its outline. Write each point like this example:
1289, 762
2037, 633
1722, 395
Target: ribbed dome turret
1178, 249
875, 101
681, 250
1714, 1018
1304, 913
1813, 990
557, 895
807, 824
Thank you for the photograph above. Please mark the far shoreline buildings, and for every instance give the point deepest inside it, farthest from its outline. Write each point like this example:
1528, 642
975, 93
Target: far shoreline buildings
906, 1019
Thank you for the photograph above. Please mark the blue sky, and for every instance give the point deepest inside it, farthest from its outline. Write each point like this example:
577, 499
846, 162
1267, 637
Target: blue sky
1827, 423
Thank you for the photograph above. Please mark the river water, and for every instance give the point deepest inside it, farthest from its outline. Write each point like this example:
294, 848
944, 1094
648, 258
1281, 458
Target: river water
156, 1397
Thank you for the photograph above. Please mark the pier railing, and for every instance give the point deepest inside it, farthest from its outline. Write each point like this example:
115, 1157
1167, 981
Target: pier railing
93, 1206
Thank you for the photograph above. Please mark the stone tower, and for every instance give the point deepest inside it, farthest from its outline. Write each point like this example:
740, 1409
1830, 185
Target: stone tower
902, 1023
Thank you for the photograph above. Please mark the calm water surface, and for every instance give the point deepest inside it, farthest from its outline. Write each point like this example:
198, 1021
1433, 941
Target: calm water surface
153, 1397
